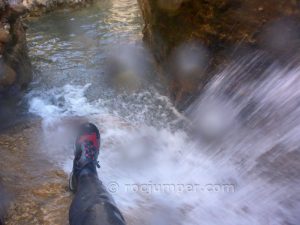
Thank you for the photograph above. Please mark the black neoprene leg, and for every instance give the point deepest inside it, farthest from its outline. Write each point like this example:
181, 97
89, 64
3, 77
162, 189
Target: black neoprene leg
92, 204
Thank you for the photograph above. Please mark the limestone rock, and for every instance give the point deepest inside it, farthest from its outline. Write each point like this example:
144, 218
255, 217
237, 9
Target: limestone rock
216, 24
15, 66
39, 7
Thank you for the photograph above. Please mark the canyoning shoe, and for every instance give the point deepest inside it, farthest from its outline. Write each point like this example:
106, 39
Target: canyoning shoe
87, 146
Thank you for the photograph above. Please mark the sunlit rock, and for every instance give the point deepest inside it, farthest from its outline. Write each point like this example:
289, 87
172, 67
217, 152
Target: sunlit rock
15, 64
39, 7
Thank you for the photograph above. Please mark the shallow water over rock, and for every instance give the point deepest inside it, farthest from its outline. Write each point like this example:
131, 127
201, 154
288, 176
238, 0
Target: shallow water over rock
37, 188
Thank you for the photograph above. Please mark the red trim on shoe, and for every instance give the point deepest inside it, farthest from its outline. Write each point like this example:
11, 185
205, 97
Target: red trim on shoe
90, 137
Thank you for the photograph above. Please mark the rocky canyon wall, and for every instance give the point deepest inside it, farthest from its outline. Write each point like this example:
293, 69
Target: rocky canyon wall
175, 27
15, 66
39, 7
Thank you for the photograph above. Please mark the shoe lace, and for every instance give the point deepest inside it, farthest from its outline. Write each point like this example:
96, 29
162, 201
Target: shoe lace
91, 152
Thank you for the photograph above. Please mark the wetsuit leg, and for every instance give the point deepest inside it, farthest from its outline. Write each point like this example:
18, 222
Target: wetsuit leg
92, 204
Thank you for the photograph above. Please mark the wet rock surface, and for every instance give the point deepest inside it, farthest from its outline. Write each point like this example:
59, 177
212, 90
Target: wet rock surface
218, 25
38, 189
32, 172
15, 66
39, 7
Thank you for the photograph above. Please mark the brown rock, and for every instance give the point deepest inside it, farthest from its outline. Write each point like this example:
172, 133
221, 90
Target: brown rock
15, 63
18, 10
2, 4
15, 68
4, 36
7, 76
217, 24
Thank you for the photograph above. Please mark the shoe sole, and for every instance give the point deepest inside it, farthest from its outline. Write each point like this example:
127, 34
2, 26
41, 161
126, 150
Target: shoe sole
72, 182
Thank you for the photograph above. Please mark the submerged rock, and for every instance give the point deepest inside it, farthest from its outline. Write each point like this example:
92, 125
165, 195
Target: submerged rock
218, 25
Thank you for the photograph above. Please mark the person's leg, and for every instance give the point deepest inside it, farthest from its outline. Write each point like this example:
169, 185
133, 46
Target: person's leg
92, 204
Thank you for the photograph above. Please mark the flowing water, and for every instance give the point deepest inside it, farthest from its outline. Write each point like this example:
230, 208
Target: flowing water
236, 162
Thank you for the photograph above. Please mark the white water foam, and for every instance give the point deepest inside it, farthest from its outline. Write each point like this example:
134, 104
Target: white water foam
66, 101
256, 152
